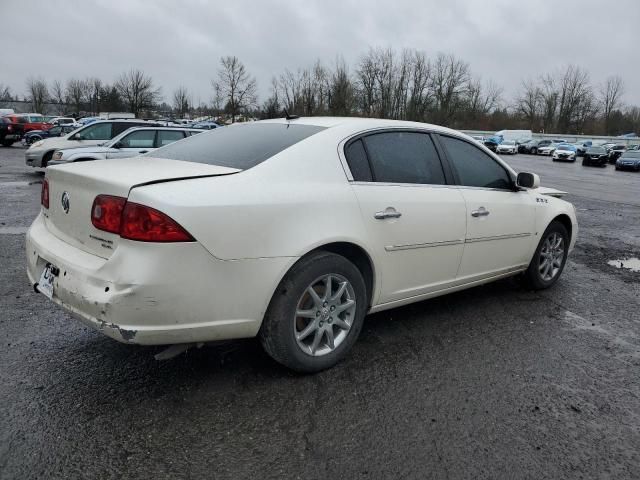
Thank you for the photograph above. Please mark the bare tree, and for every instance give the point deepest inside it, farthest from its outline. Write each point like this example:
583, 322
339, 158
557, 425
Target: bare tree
137, 91
341, 94
5, 93
94, 90
449, 82
549, 95
529, 103
76, 93
366, 75
235, 85
181, 101
610, 99
419, 97
37, 93
575, 94
481, 99
271, 107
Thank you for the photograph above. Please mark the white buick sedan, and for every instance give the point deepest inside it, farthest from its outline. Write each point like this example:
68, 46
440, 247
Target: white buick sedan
290, 230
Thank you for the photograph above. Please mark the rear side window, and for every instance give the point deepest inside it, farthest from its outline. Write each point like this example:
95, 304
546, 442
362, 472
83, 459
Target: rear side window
238, 146
357, 161
474, 167
165, 137
138, 139
404, 157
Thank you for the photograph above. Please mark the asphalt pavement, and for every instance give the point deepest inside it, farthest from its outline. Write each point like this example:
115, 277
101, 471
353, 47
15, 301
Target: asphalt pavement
493, 382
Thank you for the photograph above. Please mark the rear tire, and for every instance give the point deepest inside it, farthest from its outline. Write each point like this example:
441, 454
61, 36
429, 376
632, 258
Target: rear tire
331, 327
7, 143
549, 258
45, 159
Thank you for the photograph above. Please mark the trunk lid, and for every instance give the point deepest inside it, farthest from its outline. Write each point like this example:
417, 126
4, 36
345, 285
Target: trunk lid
80, 183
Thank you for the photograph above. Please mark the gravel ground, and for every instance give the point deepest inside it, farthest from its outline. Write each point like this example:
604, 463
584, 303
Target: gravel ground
492, 382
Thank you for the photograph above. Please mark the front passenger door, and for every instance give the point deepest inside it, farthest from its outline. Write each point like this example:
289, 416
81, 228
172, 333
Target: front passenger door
500, 219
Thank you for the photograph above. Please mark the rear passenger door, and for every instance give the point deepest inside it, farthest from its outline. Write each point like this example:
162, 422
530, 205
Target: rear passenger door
500, 219
165, 137
415, 220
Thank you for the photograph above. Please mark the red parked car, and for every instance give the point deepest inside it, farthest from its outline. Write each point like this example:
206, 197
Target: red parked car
30, 121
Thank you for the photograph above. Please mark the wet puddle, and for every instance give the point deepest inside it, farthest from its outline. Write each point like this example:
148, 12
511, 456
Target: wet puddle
632, 264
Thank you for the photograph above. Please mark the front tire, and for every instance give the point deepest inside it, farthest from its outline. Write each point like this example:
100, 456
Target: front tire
550, 257
316, 313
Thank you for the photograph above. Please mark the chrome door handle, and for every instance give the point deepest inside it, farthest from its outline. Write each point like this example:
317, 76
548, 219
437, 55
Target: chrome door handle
481, 212
388, 212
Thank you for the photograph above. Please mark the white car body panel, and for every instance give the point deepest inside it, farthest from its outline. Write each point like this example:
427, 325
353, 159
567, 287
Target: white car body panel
251, 226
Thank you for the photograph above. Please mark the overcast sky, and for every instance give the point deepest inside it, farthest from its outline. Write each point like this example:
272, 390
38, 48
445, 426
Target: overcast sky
180, 42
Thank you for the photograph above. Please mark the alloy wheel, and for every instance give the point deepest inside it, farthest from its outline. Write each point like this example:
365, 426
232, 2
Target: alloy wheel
551, 257
324, 314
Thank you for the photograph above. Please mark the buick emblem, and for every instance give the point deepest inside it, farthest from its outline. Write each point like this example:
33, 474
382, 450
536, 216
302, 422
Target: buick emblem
65, 202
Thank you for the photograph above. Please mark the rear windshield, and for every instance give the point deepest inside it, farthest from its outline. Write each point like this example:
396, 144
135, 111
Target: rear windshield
596, 150
237, 146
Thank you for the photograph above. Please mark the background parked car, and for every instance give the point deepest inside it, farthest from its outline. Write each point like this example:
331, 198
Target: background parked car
629, 161
547, 149
62, 121
29, 121
491, 144
615, 152
532, 146
581, 147
130, 143
9, 132
564, 152
595, 157
56, 131
508, 146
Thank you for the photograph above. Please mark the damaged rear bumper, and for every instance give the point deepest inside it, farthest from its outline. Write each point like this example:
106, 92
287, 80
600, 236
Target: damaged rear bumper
157, 294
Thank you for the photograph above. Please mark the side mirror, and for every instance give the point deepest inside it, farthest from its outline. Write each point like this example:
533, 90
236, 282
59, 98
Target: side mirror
117, 145
527, 180
76, 137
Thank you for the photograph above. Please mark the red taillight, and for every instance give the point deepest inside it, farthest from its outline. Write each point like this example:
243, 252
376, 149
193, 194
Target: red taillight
135, 222
106, 213
147, 224
44, 194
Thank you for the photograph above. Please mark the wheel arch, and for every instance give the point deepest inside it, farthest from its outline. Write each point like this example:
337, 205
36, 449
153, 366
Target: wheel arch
565, 220
353, 252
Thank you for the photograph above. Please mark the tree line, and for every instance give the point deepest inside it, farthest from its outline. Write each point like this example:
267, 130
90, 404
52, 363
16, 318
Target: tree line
383, 83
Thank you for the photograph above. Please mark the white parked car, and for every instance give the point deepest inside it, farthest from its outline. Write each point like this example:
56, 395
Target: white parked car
547, 149
289, 230
508, 146
130, 143
565, 153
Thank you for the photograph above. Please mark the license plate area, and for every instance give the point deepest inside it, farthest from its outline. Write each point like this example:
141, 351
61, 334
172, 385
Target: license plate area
45, 284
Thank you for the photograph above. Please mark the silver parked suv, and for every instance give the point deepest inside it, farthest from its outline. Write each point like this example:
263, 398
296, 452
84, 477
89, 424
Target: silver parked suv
40, 152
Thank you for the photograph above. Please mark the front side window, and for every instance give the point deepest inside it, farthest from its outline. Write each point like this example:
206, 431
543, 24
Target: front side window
404, 157
165, 137
138, 139
474, 167
98, 131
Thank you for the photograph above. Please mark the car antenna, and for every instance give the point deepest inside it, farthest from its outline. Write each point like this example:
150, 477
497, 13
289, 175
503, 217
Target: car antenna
290, 117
